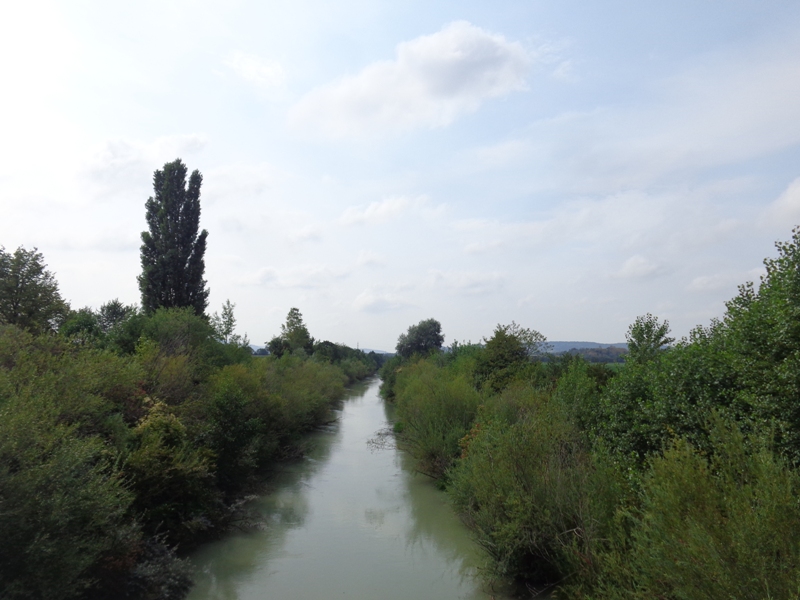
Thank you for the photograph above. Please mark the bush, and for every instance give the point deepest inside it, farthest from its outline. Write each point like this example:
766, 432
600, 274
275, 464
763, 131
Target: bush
537, 499
172, 479
62, 502
724, 526
436, 408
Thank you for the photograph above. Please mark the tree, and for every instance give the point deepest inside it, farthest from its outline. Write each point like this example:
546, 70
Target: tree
82, 327
172, 251
114, 313
422, 338
294, 336
506, 354
224, 326
646, 337
29, 296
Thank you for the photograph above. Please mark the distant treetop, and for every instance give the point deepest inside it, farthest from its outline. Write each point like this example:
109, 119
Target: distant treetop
421, 338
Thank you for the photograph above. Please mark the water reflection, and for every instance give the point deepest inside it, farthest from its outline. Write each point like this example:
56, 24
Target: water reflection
347, 522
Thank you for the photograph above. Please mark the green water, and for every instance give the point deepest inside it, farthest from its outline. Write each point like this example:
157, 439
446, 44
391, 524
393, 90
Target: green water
348, 521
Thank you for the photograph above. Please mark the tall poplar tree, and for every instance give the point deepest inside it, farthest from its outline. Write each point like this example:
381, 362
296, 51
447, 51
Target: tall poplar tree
172, 251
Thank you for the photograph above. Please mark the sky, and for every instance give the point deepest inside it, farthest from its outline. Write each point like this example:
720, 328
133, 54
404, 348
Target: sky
564, 165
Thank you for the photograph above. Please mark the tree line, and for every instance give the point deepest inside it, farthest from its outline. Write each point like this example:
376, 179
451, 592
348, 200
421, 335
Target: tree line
674, 476
129, 432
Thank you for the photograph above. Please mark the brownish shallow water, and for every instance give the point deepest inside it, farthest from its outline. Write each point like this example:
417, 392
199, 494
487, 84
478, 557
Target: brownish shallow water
348, 521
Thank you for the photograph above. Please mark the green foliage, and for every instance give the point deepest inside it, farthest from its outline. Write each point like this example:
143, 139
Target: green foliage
294, 337
105, 458
302, 390
82, 327
723, 526
436, 408
238, 415
62, 500
652, 480
646, 337
388, 375
539, 501
113, 314
354, 363
507, 355
423, 338
224, 326
170, 477
29, 296
172, 252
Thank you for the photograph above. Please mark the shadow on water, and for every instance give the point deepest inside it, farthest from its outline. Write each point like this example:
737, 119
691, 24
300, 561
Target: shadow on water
346, 521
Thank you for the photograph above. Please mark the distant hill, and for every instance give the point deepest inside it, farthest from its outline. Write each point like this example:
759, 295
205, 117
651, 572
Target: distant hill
256, 348
559, 347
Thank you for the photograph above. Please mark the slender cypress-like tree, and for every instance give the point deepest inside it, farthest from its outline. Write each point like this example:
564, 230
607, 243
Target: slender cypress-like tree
172, 251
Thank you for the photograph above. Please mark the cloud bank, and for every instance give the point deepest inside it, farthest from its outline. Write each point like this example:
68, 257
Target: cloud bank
433, 80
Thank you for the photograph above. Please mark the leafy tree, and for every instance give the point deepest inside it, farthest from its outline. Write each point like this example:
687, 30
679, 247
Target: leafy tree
277, 346
646, 337
422, 338
296, 333
506, 353
29, 296
172, 251
294, 336
82, 327
113, 313
224, 326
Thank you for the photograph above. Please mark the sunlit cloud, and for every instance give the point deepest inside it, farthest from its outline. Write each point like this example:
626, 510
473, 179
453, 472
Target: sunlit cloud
432, 81
263, 73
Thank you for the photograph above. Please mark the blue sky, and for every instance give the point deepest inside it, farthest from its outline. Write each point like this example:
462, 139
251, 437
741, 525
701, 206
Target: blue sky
567, 165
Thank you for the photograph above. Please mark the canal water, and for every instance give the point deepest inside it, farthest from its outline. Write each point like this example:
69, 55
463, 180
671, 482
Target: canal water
350, 520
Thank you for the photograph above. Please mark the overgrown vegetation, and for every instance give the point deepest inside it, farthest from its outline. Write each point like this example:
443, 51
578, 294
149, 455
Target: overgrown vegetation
127, 433
110, 459
675, 476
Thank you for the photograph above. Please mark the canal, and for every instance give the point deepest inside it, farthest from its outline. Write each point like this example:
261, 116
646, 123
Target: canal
349, 520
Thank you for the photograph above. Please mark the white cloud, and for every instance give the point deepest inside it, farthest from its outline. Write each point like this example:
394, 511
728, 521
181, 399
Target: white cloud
482, 246
372, 301
240, 180
721, 111
468, 283
785, 210
265, 74
712, 283
368, 258
638, 267
433, 80
301, 277
389, 209
503, 154
123, 164
311, 233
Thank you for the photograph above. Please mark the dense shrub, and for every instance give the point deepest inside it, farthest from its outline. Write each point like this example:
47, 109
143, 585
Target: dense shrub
110, 457
435, 409
539, 501
708, 527
63, 502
